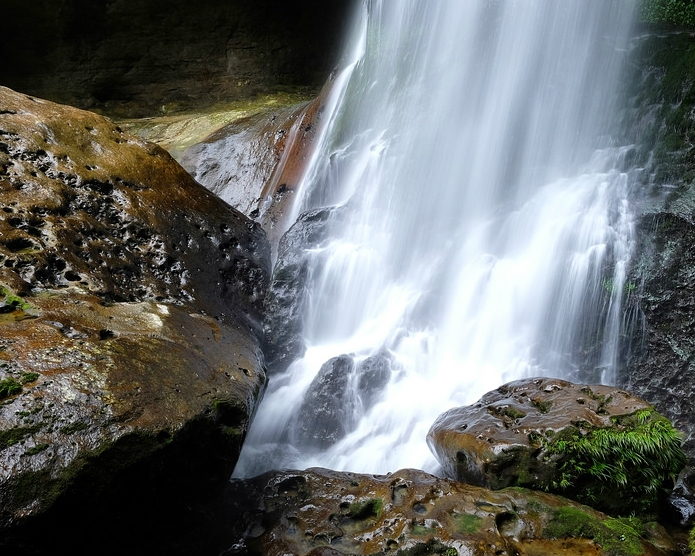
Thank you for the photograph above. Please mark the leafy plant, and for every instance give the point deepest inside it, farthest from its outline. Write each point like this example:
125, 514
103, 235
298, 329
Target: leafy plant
622, 469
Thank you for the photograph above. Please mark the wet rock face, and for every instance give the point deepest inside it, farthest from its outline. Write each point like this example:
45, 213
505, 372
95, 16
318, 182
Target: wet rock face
410, 512
286, 298
324, 415
661, 100
256, 164
550, 434
662, 367
341, 392
130, 361
152, 54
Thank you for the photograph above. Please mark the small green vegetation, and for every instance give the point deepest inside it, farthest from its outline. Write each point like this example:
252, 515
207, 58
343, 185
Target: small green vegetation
466, 523
9, 387
74, 427
28, 377
621, 470
677, 12
366, 509
36, 449
691, 541
616, 537
609, 285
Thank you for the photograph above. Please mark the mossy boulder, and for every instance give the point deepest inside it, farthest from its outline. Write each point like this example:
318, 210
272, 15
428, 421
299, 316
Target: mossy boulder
321, 512
597, 444
130, 358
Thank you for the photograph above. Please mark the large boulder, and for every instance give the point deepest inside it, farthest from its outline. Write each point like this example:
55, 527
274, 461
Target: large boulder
597, 444
130, 317
327, 513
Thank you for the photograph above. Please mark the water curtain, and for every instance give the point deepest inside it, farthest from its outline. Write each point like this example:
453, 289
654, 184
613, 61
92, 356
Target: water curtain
480, 231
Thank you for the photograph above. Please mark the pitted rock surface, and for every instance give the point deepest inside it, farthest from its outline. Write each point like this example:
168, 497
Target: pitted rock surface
130, 362
494, 442
322, 512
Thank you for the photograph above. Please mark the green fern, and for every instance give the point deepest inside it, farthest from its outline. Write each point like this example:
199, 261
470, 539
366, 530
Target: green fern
625, 469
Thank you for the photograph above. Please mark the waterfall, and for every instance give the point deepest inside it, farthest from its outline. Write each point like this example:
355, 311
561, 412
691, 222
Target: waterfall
482, 231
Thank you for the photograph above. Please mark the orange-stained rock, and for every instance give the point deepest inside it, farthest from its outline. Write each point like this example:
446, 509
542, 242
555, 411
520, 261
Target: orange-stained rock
330, 513
257, 163
130, 309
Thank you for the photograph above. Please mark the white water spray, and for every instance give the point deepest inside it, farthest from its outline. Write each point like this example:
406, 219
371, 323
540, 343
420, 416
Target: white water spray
486, 229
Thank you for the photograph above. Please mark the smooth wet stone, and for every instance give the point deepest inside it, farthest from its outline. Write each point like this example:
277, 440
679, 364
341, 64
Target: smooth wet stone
256, 163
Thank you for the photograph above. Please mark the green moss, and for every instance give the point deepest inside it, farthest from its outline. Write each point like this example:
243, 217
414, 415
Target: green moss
9, 387
74, 427
232, 431
507, 411
28, 377
429, 548
621, 470
615, 536
13, 300
36, 449
542, 405
10, 437
466, 523
366, 509
422, 531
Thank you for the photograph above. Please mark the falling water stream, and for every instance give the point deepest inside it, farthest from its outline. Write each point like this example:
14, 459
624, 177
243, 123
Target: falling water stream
485, 229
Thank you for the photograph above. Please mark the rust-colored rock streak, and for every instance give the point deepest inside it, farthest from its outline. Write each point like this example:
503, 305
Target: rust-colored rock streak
296, 148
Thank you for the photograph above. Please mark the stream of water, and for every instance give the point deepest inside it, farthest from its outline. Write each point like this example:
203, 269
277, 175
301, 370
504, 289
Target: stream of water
486, 228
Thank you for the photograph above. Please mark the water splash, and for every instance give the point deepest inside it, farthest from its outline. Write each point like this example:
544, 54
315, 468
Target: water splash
485, 233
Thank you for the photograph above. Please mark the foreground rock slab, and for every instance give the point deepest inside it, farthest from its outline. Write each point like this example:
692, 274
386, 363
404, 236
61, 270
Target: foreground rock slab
328, 513
130, 303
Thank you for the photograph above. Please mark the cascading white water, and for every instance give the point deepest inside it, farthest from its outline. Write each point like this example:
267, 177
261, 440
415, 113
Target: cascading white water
486, 229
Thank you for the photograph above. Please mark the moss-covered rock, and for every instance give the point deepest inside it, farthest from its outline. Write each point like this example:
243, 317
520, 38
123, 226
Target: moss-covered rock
596, 444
